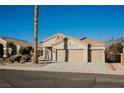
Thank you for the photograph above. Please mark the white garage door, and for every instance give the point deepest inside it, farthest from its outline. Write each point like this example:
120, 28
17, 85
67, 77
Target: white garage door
76, 56
60, 55
97, 56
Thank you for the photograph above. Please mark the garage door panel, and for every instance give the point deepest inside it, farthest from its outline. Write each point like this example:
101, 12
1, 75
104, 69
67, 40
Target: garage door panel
75, 56
97, 55
60, 55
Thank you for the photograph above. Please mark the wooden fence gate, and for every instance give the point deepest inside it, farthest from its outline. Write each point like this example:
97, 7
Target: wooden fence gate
112, 58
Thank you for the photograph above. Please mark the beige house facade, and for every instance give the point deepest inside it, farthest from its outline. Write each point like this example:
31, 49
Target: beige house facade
63, 48
11, 46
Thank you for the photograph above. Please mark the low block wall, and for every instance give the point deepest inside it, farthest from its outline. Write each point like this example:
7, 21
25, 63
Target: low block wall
122, 57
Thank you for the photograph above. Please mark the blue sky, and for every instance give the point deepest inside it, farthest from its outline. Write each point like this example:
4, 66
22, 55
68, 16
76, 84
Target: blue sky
98, 22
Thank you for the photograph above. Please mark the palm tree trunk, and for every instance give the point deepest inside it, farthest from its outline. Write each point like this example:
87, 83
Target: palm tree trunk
35, 33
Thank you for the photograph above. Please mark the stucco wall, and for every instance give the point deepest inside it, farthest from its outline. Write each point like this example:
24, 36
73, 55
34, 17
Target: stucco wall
97, 50
71, 45
53, 40
122, 57
76, 51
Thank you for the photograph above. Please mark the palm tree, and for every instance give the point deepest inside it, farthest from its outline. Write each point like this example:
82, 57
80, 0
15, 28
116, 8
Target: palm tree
35, 33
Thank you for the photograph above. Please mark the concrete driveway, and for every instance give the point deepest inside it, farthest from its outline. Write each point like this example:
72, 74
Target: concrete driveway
84, 67
98, 68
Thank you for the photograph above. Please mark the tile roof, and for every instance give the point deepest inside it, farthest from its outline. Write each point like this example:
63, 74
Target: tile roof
17, 42
92, 41
58, 42
85, 41
50, 45
77, 40
53, 37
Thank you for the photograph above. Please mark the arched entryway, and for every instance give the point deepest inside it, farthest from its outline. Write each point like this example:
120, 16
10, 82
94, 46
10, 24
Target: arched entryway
1, 51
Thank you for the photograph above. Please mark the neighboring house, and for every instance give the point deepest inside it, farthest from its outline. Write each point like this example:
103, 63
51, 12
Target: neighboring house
62, 48
10, 46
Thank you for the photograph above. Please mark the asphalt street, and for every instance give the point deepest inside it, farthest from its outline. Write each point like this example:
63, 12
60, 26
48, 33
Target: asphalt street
42, 79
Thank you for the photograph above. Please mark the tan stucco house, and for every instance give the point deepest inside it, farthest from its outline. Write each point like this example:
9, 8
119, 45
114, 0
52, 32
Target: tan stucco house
63, 48
12, 45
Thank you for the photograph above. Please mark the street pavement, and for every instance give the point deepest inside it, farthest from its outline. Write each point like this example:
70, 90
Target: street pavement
43, 79
62, 75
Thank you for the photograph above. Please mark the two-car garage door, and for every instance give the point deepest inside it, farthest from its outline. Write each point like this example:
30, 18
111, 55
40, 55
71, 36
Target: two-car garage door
75, 55
72, 55
97, 56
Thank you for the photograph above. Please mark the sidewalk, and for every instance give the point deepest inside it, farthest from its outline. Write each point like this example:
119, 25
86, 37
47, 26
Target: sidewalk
96, 68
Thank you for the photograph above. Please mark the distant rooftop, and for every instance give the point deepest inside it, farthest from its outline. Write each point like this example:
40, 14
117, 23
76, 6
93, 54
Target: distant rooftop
16, 41
12, 38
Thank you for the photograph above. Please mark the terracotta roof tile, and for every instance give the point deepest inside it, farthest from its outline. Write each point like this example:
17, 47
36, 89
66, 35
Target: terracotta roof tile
17, 42
58, 34
92, 41
83, 41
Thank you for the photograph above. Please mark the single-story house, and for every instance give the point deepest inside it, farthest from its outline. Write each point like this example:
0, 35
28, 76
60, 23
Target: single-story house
11, 46
63, 48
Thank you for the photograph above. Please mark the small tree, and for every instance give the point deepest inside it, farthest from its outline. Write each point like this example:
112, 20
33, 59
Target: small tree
115, 45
